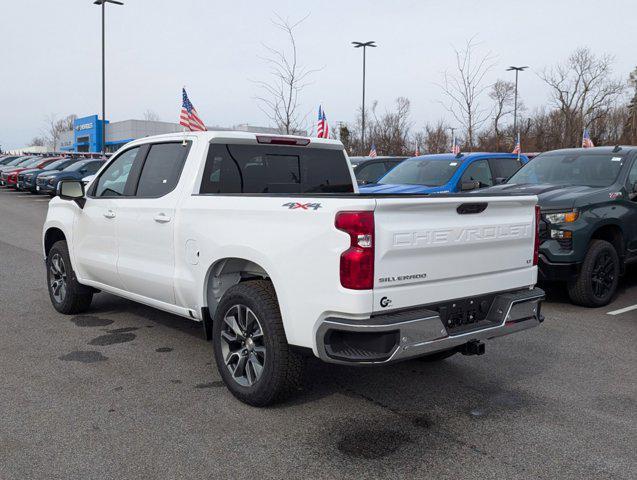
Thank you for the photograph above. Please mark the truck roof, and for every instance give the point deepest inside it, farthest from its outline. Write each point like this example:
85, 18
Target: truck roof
603, 149
239, 137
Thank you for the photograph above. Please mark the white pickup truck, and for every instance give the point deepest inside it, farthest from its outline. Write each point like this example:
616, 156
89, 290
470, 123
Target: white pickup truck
266, 240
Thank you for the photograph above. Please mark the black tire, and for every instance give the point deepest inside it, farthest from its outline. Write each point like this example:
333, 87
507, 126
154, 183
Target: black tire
437, 356
282, 368
597, 281
72, 297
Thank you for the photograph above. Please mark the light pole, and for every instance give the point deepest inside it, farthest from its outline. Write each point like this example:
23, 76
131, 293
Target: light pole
103, 3
515, 107
364, 45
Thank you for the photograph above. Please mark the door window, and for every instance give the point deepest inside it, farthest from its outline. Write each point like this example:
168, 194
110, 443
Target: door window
632, 176
370, 172
112, 181
504, 167
162, 169
478, 171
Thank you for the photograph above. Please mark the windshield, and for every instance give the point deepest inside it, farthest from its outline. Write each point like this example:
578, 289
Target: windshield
17, 161
76, 166
432, 173
580, 168
56, 164
32, 163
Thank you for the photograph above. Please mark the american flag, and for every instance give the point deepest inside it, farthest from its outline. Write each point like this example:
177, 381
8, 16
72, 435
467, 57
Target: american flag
455, 149
586, 140
188, 116
518, 148
322, 128
372, 152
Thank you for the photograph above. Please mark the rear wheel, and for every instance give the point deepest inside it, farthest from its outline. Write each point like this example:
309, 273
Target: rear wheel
250, 348
67, 295
597, 281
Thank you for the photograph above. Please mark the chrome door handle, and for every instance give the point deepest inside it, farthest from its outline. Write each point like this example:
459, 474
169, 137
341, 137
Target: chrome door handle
109, 214
161, 218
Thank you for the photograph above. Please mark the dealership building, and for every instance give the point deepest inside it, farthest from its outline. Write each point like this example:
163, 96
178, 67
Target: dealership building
87, 133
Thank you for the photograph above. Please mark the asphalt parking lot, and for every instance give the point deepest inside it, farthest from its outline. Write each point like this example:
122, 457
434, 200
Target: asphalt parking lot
126, 391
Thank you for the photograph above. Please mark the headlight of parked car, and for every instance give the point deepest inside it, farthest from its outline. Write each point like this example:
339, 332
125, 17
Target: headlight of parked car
51, 181
562, 217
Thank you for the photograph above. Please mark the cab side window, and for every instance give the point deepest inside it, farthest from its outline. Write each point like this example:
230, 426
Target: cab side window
162, 169
504, 167
112, 181
478, 171
370, 172
632, 175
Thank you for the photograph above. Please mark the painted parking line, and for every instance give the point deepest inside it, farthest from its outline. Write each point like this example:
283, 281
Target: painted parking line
623, 310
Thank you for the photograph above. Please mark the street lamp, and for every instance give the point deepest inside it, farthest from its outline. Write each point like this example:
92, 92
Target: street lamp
515, 107
103, 5
364, 45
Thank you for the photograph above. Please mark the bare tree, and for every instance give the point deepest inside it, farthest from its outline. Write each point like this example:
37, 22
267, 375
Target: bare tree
54, 128
280, 99
503, 95
583, 90
390, 131
437, 138
464, 89
37, 142
151, 116
631, 125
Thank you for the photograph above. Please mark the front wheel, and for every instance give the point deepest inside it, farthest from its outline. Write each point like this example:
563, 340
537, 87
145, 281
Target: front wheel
597, 281
67, 295
250, 348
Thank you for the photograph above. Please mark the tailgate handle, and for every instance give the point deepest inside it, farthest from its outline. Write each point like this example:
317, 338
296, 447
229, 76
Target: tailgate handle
469, 208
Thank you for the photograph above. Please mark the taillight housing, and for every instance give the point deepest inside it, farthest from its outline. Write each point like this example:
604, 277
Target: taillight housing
536, 245
357, 262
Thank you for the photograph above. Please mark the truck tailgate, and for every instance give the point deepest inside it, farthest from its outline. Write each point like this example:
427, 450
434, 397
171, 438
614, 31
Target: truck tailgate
435, 249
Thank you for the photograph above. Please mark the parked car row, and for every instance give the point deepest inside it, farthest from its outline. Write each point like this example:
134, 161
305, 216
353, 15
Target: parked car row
41, 174
588, 200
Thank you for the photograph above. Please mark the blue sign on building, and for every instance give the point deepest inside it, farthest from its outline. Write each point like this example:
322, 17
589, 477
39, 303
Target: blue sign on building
87, 134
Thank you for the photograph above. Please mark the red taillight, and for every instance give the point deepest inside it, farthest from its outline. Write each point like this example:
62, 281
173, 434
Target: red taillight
536, 246
357, 262
272, 140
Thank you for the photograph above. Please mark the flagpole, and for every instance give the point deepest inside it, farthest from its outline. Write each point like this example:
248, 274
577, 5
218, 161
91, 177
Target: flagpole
183, 142
519, 146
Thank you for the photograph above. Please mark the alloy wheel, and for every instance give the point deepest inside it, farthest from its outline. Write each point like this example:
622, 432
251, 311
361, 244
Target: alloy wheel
242, 345
603, 276
57, 278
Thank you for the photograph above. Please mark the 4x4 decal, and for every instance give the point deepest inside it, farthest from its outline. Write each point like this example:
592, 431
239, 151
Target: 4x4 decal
302, 206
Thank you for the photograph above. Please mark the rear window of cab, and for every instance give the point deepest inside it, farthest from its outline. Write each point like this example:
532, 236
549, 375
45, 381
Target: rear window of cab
264, 169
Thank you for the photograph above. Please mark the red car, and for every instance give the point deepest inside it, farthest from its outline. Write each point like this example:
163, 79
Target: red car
9, 178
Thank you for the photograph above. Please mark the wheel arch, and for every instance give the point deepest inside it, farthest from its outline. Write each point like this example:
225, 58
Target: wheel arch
613, 234
52, 235
227, 272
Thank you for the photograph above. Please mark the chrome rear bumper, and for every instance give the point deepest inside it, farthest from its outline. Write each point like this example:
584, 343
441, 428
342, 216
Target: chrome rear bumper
412, 333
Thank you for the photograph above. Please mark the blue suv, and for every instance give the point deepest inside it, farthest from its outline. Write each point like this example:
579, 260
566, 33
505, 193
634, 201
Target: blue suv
448, 173
47, 183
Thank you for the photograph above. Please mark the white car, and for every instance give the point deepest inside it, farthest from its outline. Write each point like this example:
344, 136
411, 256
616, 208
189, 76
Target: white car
266, 240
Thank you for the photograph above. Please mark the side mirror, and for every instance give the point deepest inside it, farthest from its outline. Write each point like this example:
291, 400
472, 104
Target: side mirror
465, 186
72, 190
499, 180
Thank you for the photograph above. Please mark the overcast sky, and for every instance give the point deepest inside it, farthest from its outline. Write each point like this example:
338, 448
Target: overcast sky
50, 56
